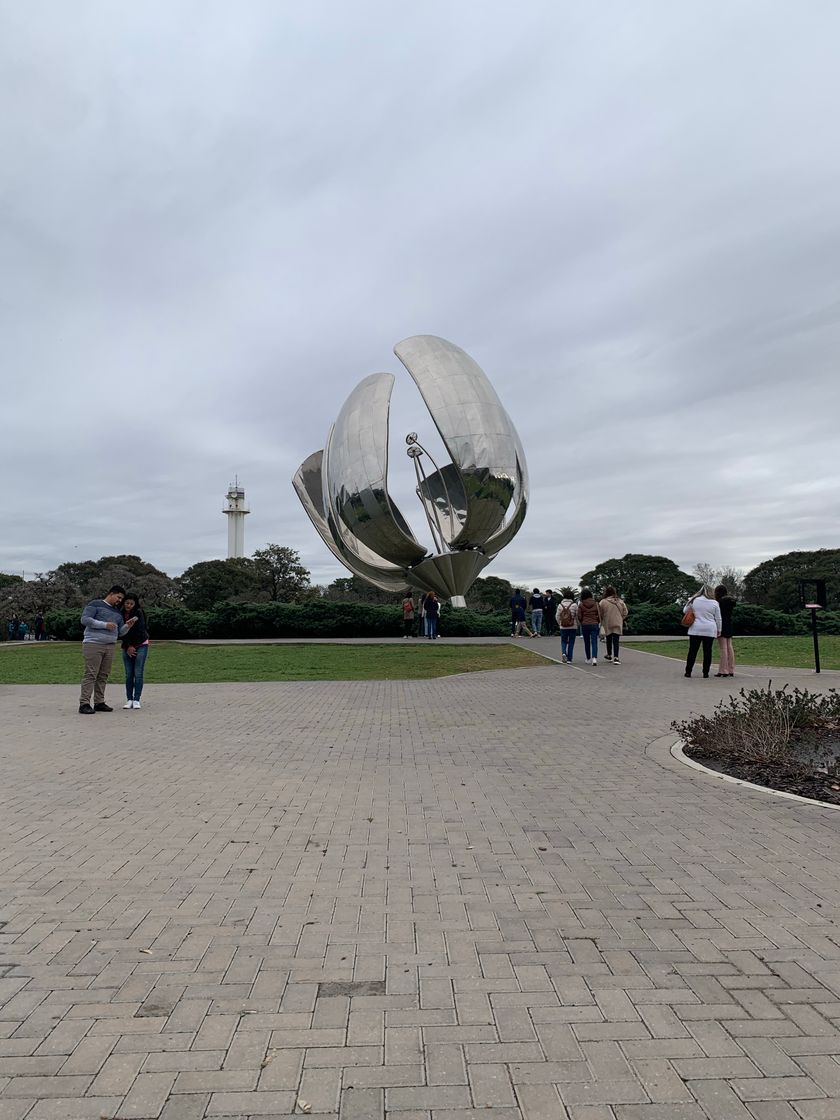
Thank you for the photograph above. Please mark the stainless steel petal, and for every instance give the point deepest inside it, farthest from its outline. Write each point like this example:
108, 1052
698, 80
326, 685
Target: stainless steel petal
309, 488
355, 474
477, 432
442, 493
499, 540
450, 574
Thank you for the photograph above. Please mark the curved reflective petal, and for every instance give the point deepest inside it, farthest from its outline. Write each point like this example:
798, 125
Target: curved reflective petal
449, 574
500, 540
309, 488
479, 435
355, 474
443, 497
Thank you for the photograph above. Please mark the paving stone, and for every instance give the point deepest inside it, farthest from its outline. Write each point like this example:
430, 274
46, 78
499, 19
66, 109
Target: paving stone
38, 1087
88, 1108
362, 1104
251, 1104
776, 1088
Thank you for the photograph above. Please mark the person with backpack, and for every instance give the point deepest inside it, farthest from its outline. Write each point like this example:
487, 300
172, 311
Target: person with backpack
567, 612
537, 606
589, 619
613, 611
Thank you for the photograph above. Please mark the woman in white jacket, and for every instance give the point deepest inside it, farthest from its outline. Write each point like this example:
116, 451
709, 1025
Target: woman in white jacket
706, 626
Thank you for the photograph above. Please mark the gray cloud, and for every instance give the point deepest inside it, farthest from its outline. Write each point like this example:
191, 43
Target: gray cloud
213, 222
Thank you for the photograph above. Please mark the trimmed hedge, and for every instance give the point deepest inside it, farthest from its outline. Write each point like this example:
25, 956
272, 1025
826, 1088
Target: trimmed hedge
644, 618
290, 620
325, 619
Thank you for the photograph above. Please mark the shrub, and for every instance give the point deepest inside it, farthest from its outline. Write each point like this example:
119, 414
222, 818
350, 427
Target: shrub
325, 619
164, 623
647, 618
828, 622
756, 725
176, 622
64, 624
749, 619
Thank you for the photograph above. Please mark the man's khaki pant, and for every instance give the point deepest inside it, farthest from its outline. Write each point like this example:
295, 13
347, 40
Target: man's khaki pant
98, 660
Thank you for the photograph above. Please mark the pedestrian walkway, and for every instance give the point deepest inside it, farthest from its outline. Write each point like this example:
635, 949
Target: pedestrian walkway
486, 897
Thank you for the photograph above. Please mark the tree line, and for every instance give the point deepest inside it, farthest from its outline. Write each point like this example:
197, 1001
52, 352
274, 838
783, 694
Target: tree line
275, 574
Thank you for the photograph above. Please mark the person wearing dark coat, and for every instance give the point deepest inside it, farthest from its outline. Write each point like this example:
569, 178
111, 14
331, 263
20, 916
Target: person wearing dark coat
135, 650
550, 603
727, 604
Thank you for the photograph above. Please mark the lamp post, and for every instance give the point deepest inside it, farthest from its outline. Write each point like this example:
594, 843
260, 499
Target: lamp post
813, 608
818, 603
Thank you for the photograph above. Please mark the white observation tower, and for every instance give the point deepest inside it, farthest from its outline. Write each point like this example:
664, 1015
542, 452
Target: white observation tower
235, 511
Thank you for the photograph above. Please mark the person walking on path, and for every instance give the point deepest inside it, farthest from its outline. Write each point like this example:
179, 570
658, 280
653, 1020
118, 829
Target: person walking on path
703, 630
432, 608
550, 613
613, 611
537, 606
727, 604
135, 649
590, 623
408, 615
103, 623
517, 610
566, 618
518, 619
40, 628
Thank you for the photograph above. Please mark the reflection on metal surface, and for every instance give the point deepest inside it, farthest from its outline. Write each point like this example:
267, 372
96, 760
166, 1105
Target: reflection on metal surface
356, 473
474, 505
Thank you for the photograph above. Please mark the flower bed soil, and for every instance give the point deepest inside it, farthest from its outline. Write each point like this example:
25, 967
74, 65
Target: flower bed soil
810, 773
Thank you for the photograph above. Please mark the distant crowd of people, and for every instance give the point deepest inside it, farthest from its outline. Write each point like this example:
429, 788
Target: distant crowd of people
569, 617
708, 615
20, 631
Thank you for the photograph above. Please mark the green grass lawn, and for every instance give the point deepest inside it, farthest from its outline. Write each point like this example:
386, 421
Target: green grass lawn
786, 653
174, 663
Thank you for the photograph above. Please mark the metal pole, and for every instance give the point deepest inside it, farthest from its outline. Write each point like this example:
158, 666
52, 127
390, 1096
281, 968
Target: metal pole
816, 639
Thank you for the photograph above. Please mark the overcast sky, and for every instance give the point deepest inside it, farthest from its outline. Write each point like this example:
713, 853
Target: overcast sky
216, 218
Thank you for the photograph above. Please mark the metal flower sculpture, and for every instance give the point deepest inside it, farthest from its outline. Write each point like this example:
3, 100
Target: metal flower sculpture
474, 505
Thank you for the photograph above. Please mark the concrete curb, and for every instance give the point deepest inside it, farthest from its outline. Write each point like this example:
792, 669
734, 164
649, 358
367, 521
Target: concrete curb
679, 754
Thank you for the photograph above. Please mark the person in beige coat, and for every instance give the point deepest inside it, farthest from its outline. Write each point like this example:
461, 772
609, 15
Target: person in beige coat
613, 611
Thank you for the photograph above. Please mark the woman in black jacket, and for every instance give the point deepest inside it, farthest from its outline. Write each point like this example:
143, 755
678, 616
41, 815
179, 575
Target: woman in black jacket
432, 609
135, 650
726, 668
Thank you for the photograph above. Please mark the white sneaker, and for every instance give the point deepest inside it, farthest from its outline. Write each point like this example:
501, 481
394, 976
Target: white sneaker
616, 661
565, 659
128, 704
135, 704
594, 660
589, 661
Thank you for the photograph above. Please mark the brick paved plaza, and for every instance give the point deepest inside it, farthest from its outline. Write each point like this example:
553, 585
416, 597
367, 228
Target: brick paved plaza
487, 897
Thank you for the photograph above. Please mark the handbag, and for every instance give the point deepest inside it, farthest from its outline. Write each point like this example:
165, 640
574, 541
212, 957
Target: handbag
688, 617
